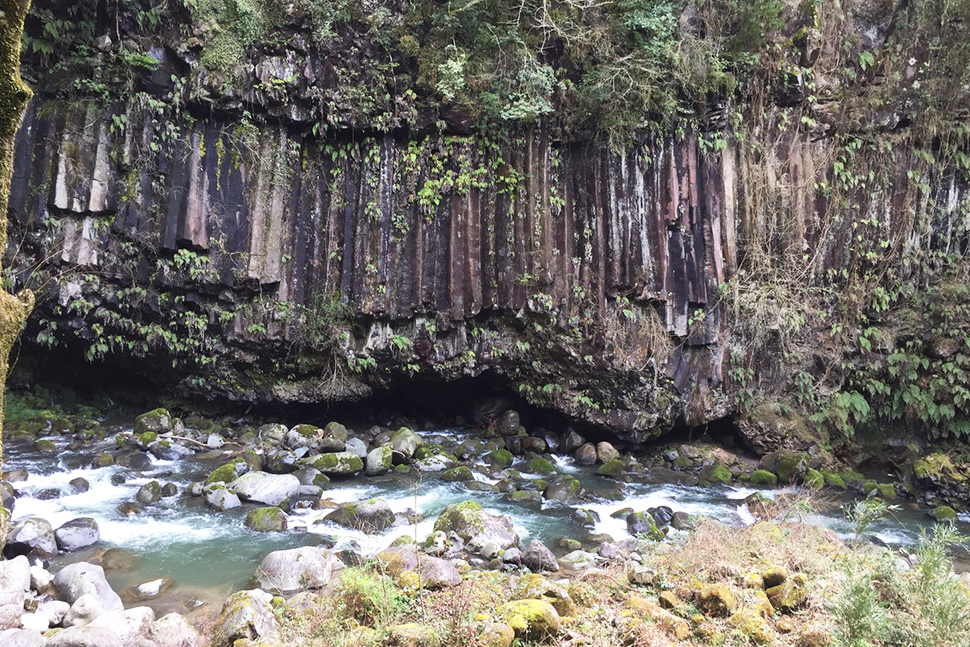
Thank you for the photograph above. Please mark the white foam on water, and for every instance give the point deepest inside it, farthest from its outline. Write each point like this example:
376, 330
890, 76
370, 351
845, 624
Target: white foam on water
565, 464
745, 515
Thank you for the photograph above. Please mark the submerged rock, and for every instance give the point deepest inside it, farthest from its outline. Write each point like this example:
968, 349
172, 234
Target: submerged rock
373, 516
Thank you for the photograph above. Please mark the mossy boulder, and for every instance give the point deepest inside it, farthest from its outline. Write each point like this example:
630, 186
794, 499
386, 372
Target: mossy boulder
762, 477
716, 474
935, 467
337, 463
564, 488
753, 626
456, 474
531, 619
789, 596
536, 587
229, 472
774, 576
149, 493
611, 469
412, 634
158, 421
786, 464
380, 460
496, 634
47, 446
476, 526
103, 460
246, 616
333, 437
833, 480
404, 443
269, 519
526, 496
499, 458
717, 600
540, 465
944, 513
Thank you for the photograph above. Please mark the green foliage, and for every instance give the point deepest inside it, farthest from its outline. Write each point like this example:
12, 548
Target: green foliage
369, 597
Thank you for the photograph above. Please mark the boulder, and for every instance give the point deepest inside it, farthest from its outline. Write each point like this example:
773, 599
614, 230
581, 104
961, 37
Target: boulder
149, 493
412, 635
309, 567
372, 517
221, 498
605, 452
166, 450
577, 562
508, 423
717, 600
337, 463
537, 587
77, 533
404, 443
131, 625
270, 519
272, 434
31, 536
82, 578
157, 421
14, 581
356, 446
229, 472
150, 589
173, 630
246, 614
585, 455
86, 637
22, 638
531, 619
79, 485
469, 521
262, 487
380, 460
539, 558
564, 488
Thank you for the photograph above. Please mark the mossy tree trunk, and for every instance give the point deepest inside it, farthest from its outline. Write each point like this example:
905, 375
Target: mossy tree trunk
13, 99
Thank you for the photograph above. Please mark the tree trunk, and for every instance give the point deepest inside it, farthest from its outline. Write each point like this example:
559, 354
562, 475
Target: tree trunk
13, 99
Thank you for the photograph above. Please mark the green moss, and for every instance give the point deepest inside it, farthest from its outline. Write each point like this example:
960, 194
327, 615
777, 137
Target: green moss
762, 477
944, 513
225, 473
500, 458
612, 469
540, 465
464, 518
269, 519
814, 479
936, 465
834, 480
460, 473
716, 474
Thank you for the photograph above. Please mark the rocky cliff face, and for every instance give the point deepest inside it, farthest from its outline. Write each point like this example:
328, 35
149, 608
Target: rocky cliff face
223, 232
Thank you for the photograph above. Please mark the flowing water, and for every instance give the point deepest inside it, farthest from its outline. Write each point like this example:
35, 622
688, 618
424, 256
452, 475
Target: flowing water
210, 553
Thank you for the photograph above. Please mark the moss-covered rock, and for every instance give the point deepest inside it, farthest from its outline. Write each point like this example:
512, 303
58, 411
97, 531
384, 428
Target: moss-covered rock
531, 619
717, 600
753, 626
455, 474
716, 474
762, 477
337, 463
149, 493
470, 522
229, 472
412, 634
936, 466
774, 575
499, 458
786, 464
833, 480
564, 488
103, 460
158, 421
611, 469
944, 513
269, 519
789, 596
496, 634
539, 465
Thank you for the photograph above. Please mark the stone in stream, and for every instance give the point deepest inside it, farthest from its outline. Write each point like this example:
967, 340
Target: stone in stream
404, 443
79, 485
150, 589
586, 455
246, 614
475, 526
158, 421
81, 579
173, 630
8, 496
228, 472
372, 517
270, 519
380, 460
31, 536
167, 450
605, 452
272, 434
337, 463
77, 533
169, 490
15, 476
571, 441
309, 567
149, 493
262, 487
508, 423
129, 508
356, 446
48, 494
220, 497
564, 488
